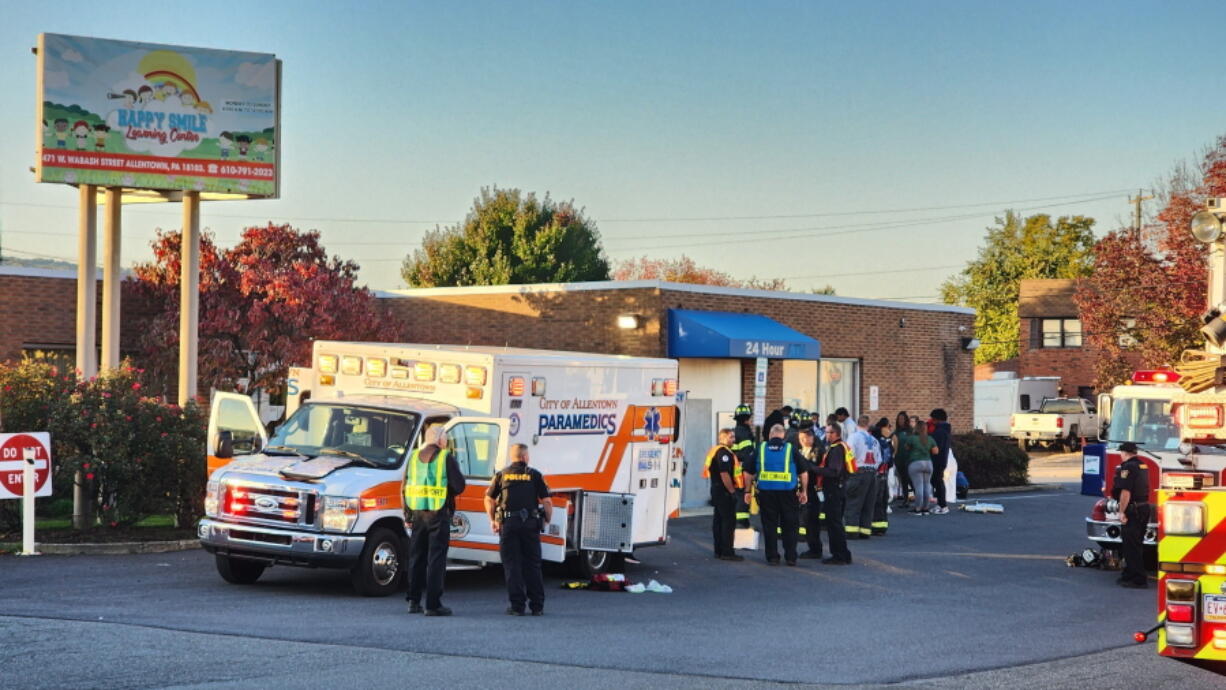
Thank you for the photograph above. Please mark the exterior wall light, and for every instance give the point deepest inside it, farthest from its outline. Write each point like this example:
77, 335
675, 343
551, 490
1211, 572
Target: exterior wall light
629, 322
970, 344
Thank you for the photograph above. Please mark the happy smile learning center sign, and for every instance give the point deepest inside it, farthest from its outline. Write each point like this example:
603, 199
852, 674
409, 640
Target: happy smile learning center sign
146, 116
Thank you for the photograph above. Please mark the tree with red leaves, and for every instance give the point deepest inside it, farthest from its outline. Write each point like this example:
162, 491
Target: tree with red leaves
262, 303
685, 270
1157, 280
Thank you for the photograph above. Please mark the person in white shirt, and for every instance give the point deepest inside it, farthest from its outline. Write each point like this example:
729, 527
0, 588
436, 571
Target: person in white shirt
862, 486
847, 424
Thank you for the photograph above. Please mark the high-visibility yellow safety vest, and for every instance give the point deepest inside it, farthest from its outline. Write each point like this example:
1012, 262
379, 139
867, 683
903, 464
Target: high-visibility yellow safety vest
737, 477
775, 468
848, 456
425, 487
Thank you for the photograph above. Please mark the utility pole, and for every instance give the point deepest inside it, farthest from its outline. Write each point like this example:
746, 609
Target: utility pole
1136, 213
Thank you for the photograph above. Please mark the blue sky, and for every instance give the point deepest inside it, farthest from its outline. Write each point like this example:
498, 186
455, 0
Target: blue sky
773, 117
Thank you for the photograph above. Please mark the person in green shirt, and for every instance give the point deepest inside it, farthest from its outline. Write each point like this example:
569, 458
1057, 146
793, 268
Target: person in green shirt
902, 429
920, 449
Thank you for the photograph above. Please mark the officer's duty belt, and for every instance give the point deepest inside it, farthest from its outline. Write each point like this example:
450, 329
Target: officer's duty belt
523, 514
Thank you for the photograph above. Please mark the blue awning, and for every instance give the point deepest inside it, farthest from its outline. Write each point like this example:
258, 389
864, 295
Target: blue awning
725, 334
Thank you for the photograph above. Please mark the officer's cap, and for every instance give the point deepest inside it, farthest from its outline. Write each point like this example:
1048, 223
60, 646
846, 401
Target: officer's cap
1128, 447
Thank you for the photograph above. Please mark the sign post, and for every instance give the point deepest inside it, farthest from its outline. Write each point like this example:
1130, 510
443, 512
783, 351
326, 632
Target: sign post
27, 503
25, 473
759, 392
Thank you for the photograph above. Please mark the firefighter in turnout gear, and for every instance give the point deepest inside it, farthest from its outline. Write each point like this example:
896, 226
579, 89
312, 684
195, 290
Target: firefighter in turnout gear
837, 465
743, 447
516, 502
1131, 488
723, 468
432, 480
862, 485
781, 478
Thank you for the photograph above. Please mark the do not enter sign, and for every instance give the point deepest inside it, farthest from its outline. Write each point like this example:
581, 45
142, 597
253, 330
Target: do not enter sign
14, 449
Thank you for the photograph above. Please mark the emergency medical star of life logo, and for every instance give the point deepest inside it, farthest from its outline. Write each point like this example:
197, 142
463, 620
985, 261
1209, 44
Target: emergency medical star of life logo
651, 423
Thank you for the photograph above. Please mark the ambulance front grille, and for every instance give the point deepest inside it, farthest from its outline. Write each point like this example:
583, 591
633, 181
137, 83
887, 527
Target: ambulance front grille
607, 522
268, 505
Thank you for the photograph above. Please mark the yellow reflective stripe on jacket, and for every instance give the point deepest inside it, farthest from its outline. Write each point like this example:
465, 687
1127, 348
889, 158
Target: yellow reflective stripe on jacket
742, 445
427, 492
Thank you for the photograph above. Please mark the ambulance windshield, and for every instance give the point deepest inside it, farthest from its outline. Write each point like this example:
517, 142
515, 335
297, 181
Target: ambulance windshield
380, 436
1145, 422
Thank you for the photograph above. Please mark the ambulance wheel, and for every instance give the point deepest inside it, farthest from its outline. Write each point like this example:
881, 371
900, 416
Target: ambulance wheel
239, 571
381, 565
585, 564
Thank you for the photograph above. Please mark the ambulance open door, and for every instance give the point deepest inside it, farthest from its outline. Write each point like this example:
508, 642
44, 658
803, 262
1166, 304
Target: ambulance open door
234, 429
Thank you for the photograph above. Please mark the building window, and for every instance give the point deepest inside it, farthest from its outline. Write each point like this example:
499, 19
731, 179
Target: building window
800, 383
838, 385
822, 386
1060, 332
1127, 327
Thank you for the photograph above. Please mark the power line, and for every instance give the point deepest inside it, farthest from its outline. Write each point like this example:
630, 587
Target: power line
863, 273
749, 236
862, 213
149, 210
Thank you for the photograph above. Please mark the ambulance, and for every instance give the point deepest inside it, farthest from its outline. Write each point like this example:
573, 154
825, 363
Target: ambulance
326, 489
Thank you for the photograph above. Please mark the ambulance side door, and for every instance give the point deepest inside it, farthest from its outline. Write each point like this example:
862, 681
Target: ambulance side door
480, 446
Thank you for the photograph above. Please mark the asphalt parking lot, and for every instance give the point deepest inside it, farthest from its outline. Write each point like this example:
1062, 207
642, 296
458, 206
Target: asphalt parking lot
985, 600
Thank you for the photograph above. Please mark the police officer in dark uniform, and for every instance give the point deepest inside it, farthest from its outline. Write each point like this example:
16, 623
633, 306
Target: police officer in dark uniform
1131, 488
743, 447
833, 471
724, 471
780, 475
515, 503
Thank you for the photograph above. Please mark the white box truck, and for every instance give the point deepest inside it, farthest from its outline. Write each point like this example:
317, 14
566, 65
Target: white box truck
326, 490
999, 398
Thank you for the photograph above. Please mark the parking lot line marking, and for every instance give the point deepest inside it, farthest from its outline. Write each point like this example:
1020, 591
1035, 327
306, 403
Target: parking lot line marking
891, 569
1051, 494
1016, 556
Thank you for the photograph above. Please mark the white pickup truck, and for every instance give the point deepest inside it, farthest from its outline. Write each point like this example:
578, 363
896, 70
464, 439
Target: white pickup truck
1058, 422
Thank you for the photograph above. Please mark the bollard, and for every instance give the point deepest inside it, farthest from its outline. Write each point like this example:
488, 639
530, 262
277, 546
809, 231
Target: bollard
27, 503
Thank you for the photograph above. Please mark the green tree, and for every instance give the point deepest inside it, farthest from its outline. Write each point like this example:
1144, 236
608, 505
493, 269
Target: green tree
1017, 248
510, 238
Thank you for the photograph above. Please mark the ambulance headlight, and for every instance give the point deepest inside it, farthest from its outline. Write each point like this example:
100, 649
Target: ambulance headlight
1183, 518
210, 499
340, 513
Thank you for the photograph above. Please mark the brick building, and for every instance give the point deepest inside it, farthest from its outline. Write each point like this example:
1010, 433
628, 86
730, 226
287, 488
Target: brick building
38, 313
870, 356
1051, 341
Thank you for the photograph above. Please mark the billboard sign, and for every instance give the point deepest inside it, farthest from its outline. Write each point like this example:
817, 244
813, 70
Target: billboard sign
157, 117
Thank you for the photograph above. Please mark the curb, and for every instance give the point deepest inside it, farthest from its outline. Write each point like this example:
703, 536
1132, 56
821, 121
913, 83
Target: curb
1016, 489
117, 548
